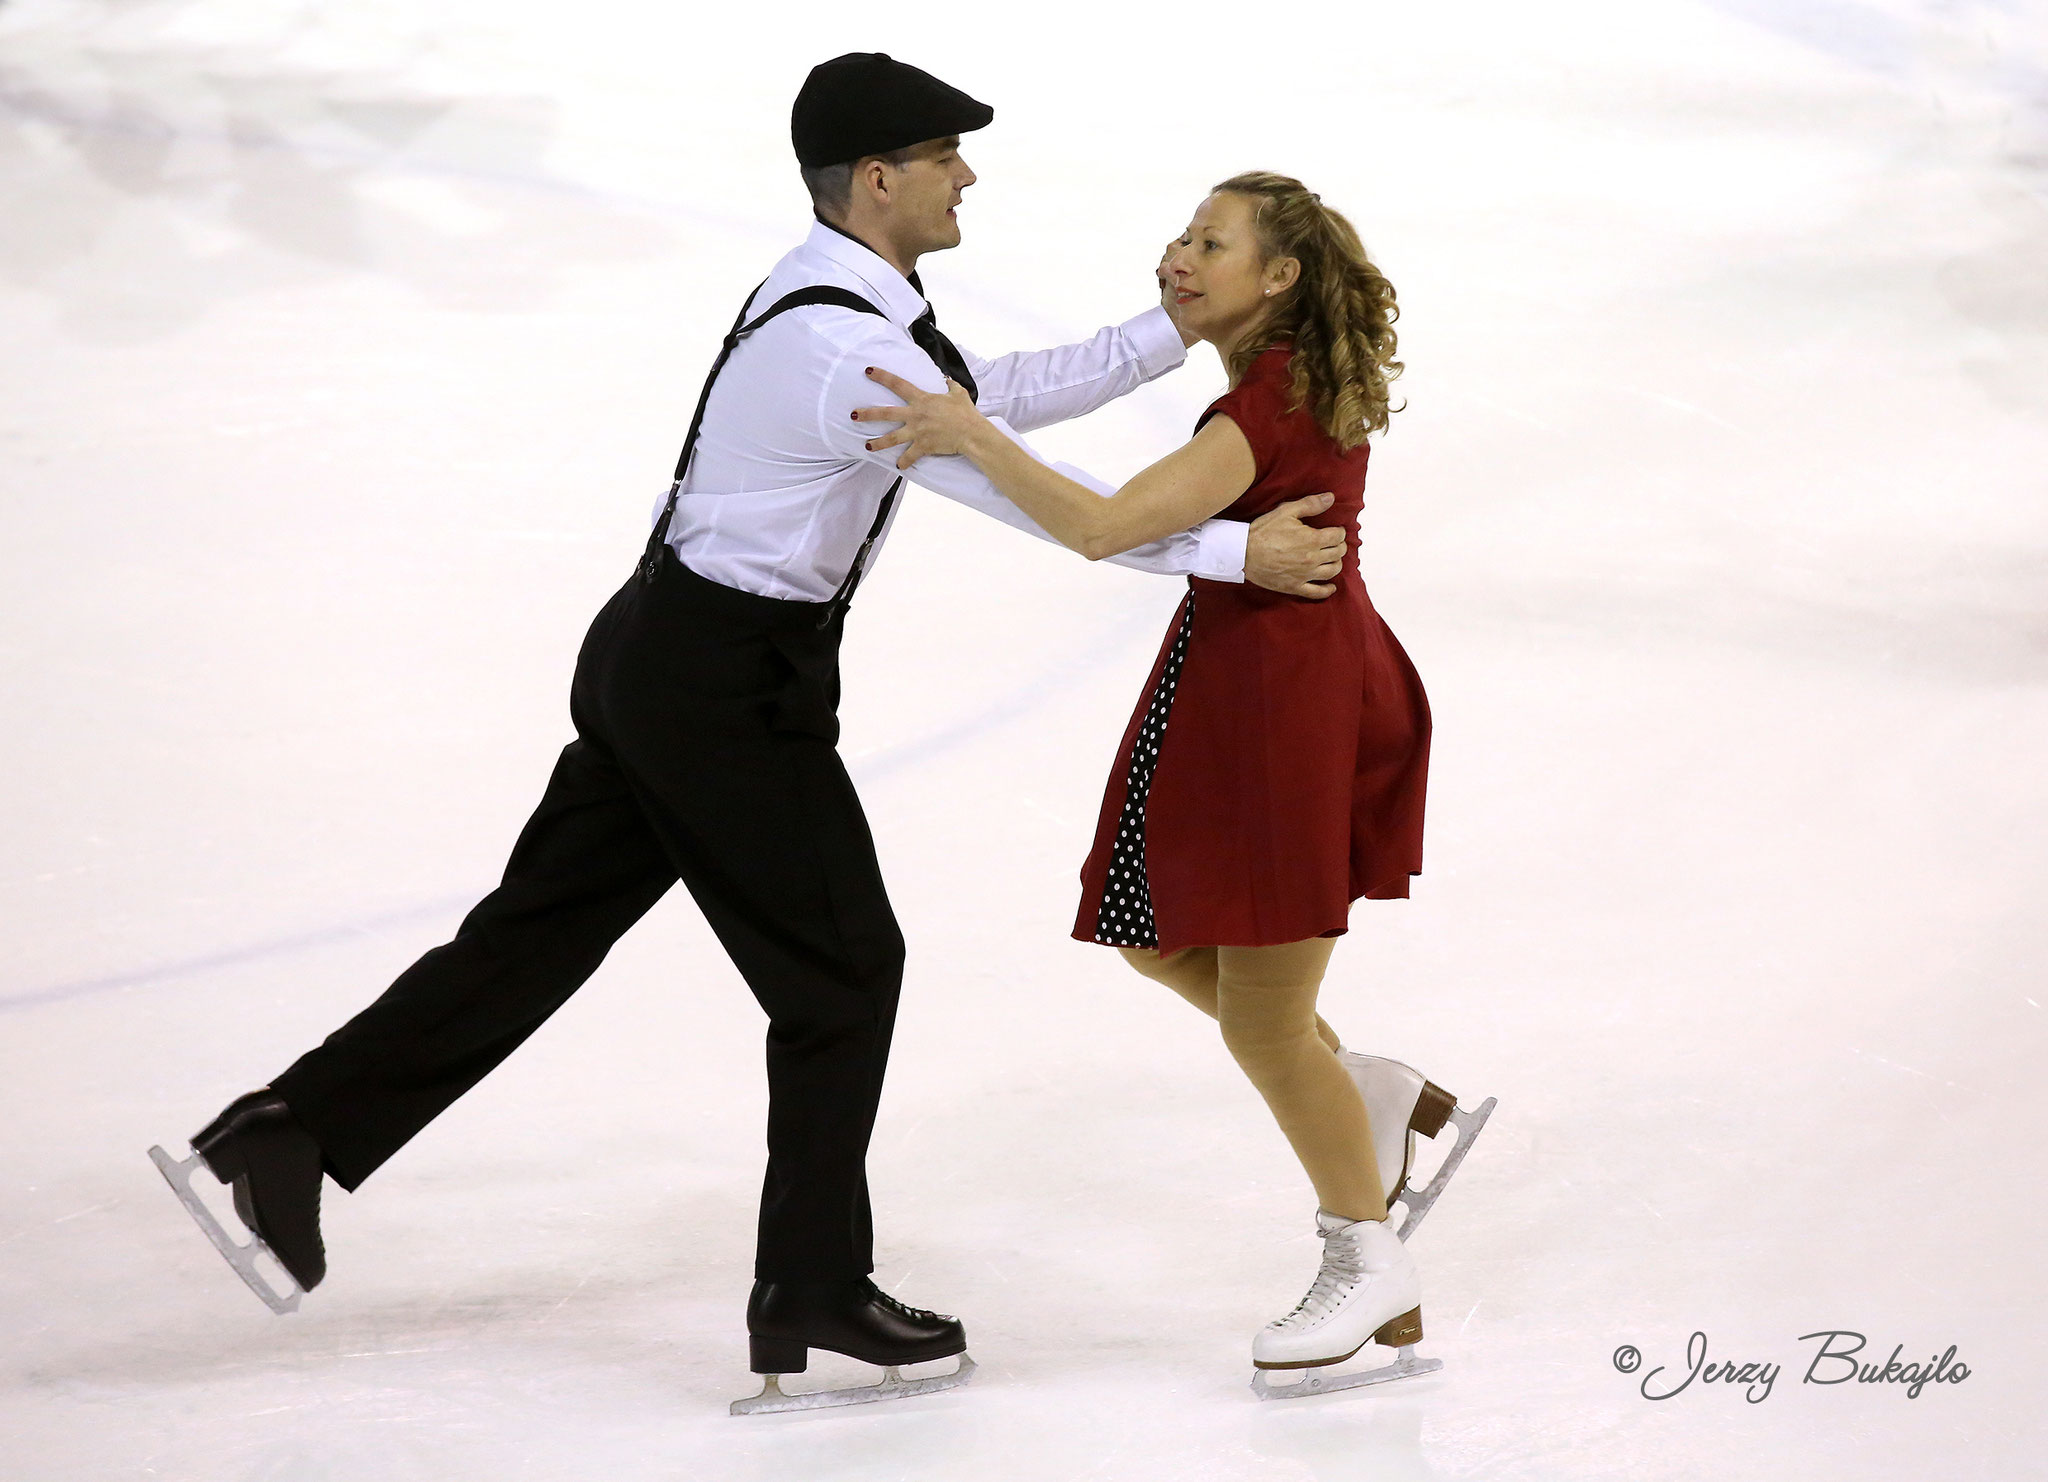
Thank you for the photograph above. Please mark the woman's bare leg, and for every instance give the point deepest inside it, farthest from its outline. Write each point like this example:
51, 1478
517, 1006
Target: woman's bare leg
1191, 972
1266, 1004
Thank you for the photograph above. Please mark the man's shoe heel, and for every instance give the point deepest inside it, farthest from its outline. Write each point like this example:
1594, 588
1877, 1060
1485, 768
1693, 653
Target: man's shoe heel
776, 1355
1432, 1109
222, 1156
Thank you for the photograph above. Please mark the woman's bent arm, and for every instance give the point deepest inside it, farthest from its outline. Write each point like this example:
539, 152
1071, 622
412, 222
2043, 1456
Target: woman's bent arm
1202, 477
1199, 479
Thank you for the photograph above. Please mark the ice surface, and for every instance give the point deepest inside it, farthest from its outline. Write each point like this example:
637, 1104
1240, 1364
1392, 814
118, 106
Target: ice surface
343, 350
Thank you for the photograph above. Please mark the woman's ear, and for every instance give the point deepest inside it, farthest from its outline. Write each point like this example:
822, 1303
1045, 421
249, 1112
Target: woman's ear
1282, 274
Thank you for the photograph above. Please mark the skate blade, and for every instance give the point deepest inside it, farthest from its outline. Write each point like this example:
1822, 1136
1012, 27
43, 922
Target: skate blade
1325, 1381
242, 1257
893, 1387
1418, 1203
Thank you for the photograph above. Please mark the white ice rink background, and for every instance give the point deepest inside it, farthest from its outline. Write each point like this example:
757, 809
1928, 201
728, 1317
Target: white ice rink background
343, 351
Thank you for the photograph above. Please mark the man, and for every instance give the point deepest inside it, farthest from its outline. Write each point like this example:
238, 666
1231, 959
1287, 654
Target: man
705, 703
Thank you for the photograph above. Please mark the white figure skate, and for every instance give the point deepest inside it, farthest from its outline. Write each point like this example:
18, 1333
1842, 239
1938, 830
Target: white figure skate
1368, 1291
1400, 1103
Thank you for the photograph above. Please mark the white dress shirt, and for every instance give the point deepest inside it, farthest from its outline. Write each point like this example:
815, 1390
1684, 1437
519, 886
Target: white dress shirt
782, 489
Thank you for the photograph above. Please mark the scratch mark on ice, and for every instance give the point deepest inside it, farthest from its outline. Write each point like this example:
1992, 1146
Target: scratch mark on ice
1894, 1065
82, 1213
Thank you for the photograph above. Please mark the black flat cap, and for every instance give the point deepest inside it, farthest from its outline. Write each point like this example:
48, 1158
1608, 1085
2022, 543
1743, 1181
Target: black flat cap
866, 102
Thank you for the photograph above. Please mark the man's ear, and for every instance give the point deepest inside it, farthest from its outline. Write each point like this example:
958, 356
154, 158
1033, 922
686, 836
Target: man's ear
873, 178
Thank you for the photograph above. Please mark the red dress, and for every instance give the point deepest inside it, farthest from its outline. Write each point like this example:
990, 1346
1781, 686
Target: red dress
1274, 769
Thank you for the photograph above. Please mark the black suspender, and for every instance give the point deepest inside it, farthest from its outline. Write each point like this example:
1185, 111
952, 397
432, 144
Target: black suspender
650, 565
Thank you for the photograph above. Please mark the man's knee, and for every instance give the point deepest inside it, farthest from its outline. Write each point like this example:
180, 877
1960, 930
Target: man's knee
865, 950
880, 962
821, 1018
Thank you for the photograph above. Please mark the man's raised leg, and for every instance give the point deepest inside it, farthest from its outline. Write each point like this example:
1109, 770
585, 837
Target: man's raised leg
584, 869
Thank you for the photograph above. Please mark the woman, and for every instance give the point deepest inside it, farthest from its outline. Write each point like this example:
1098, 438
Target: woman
1274, 770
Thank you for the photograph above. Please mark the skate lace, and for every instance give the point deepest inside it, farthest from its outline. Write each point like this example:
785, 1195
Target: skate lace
1343, 1268
902, 1309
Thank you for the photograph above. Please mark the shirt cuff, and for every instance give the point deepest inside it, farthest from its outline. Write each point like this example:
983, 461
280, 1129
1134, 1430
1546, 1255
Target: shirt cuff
1219, 549
1157, 342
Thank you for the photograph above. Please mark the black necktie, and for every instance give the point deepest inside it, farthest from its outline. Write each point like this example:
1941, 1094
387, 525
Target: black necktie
924, 333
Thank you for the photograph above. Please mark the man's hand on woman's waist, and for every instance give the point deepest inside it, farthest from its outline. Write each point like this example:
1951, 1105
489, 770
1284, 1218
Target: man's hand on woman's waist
1284, 555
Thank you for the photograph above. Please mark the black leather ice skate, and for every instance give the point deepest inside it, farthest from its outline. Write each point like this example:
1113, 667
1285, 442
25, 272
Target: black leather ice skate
273, 1164
785, 1320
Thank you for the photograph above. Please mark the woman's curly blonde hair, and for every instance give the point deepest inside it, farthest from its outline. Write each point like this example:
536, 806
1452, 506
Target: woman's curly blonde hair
1340, 312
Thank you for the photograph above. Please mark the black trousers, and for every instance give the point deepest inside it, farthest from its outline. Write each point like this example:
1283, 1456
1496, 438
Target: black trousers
705, 751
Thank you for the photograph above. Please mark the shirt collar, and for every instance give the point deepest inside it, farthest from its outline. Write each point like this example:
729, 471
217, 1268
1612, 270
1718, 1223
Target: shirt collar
902, 299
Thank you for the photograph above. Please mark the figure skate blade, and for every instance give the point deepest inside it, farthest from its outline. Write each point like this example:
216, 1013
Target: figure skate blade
242, 1257
1327, 1380
894, 1386
1418, 1202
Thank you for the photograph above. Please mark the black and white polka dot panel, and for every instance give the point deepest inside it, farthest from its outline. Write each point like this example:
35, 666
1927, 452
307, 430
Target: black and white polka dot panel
1124, 916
